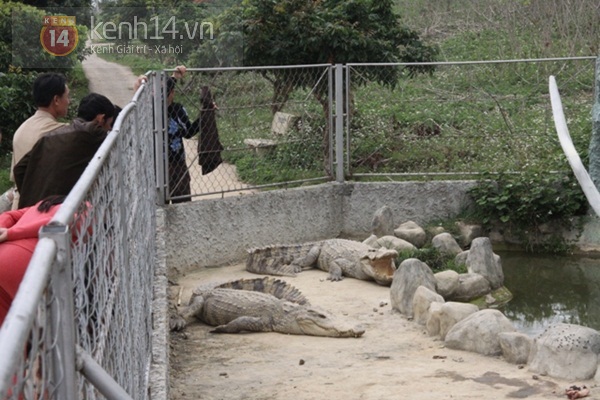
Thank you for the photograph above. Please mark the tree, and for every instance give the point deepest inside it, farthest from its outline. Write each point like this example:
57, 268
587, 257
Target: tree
21, 57
80, 8
289, 32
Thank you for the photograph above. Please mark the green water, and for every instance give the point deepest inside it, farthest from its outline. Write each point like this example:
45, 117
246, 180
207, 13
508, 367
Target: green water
549, 289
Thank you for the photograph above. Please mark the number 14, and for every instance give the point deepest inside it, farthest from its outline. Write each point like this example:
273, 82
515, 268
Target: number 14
63, 38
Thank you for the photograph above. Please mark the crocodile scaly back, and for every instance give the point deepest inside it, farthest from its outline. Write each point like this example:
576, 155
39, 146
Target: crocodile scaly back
275, 287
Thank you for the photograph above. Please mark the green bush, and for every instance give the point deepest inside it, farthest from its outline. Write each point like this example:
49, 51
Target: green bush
5, 182
16, 103
433, 258
528, 199
20, 27
521, 203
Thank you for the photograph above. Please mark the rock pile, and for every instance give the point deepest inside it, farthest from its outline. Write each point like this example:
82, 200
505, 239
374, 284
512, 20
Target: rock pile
445, 303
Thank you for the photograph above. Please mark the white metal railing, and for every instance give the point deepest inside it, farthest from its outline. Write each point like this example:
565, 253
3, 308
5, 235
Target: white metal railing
80, 324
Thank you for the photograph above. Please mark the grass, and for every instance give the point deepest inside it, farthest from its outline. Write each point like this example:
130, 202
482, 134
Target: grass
139, 65
469, 119
79, 88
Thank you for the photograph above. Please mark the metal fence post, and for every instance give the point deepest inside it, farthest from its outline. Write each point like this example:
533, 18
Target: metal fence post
339, 122
62, 314
347, 117
159, 145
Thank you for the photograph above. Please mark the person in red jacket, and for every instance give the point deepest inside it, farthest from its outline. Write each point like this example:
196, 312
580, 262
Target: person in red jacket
18, 238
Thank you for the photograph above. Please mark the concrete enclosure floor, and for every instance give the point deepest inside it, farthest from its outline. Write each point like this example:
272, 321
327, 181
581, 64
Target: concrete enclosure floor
395, 358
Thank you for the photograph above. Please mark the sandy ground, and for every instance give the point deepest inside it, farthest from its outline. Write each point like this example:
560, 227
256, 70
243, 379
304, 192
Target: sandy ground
395, 358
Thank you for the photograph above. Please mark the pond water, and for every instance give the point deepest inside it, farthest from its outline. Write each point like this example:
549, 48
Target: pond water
550, 289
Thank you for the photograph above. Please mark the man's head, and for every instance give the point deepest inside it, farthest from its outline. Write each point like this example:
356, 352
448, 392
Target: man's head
97, 108
51, 93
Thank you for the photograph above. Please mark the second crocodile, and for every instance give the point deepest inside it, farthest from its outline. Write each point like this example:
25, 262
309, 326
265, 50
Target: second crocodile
262, 305
339, 257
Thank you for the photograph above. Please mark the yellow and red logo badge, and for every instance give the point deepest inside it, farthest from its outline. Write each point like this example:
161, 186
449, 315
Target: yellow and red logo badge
59, 35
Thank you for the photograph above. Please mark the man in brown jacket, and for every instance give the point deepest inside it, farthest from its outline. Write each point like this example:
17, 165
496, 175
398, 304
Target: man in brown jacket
58, 159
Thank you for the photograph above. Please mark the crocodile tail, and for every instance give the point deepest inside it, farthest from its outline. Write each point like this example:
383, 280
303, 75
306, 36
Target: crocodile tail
275, 287
276, 260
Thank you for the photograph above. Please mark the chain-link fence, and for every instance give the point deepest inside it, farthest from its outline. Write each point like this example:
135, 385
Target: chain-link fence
277, 126
85, 301
259, 127
460, 119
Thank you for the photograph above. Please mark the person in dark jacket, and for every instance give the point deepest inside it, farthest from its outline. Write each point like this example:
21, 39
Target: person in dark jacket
58, 159
179, 127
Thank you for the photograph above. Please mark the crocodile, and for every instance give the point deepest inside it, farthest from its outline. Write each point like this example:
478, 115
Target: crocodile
261, 305
339, 257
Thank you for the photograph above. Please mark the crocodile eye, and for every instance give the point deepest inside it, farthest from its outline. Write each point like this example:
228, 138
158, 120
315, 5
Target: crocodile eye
318, 314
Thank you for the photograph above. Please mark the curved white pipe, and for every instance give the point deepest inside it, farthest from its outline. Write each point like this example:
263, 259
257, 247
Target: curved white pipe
586, 183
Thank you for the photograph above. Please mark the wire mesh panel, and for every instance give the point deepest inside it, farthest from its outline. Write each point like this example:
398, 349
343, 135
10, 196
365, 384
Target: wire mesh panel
111, 248
30, 352
463, 117
113, 257
248, 128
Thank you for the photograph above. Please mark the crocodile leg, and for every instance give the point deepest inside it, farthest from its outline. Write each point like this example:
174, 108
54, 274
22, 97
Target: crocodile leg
179, 321
337, 267
308, 261
245, 323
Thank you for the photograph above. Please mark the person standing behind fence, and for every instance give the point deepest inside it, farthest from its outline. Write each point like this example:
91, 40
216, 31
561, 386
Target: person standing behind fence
59, 158
51, 97
179, 127
18, 238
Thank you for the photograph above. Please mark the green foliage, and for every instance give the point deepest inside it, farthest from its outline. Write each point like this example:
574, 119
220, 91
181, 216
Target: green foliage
308, 32
178, 28
139, 64
5, 182
433, 258
528, 199
19, 36
81, 9
16, 103
297, 159
492, 29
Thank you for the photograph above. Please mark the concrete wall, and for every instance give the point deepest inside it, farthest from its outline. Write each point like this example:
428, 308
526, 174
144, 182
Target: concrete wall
421, 202
216, 232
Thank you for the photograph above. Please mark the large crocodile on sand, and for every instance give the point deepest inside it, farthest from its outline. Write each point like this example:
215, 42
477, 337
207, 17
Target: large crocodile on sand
339, 257
261, 305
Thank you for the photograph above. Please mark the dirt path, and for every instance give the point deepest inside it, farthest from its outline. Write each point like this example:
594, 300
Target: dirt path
112, 80
395, 359
116, 82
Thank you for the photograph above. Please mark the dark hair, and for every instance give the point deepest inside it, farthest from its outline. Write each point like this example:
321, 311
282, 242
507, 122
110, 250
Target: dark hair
46, 86
94, 104
117, 112
171, 82
50, 201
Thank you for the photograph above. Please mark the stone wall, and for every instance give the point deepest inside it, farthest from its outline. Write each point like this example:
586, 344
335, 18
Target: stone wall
216, 232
